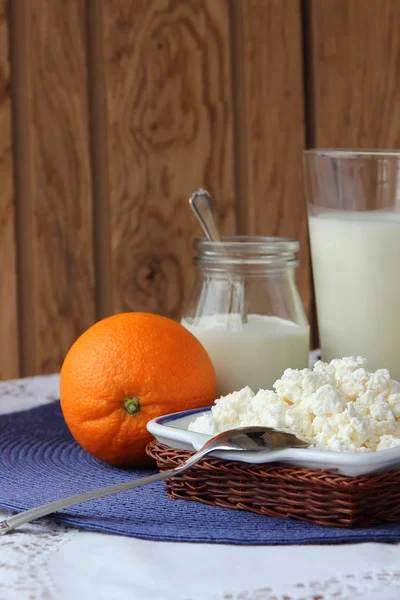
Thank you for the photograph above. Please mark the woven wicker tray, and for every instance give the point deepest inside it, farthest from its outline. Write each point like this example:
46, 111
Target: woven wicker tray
284, 491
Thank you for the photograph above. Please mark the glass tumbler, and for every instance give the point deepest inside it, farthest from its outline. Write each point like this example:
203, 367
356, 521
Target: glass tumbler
354, 224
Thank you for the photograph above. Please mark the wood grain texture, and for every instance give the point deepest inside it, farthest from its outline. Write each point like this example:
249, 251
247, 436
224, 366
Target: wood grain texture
9, 361
99, 159
355, 63
270, 123
56, 224
169, 115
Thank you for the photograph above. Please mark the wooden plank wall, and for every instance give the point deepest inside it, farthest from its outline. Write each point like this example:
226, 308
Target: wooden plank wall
9, 348
113, 111
270, 124
53, 179
355, 66
169, 123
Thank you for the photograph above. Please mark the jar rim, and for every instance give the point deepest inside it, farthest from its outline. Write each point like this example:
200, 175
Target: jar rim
247, 245
264, 251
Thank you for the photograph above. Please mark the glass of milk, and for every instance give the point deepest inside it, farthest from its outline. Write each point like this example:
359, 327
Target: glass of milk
354, 224
246, 310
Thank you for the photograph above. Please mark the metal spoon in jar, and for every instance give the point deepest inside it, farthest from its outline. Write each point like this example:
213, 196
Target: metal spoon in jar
249, 439
202, 205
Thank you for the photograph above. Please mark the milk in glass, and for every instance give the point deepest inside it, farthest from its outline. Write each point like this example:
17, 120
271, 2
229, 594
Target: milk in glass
356, 265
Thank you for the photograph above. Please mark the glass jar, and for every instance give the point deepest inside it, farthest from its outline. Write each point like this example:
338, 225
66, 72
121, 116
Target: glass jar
246, 310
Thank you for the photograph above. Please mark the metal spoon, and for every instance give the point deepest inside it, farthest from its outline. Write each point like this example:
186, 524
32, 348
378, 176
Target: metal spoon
250, 439
202, 205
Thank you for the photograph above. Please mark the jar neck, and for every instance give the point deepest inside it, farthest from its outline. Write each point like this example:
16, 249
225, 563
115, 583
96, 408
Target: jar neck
246, 255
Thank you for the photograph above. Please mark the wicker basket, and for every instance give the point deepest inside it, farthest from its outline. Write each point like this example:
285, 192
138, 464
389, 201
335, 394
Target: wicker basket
321, 497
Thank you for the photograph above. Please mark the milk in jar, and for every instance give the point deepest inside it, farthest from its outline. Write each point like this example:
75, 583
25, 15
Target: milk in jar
254, 353
246, 310
356, 266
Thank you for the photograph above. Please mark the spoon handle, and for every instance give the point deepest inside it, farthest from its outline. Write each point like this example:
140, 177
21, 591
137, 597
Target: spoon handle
203, 207
45, 509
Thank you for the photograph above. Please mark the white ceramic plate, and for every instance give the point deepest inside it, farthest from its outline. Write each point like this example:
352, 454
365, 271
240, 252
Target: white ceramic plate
172, 430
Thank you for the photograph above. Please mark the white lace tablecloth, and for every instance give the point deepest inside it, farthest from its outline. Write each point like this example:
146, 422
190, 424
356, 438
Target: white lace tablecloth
45, 561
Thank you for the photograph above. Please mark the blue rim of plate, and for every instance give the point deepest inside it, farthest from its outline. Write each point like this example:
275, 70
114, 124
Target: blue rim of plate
178, 415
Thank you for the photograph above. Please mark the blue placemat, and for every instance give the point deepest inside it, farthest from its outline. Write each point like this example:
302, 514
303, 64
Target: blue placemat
40, 462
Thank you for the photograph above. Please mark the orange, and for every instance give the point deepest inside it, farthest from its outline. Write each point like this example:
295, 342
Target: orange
124, 371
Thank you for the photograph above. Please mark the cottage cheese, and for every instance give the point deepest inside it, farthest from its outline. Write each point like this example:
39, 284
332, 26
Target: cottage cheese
340, 406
